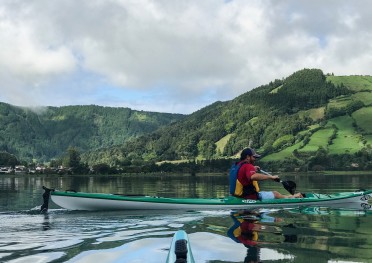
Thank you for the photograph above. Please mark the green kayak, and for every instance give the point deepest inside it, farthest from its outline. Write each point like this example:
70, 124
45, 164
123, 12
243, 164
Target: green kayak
180, 249
99, 201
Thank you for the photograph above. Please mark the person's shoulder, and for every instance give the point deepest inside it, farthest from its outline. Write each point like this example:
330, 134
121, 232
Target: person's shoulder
247, 165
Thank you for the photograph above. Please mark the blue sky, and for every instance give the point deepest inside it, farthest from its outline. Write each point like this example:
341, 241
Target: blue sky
172, 56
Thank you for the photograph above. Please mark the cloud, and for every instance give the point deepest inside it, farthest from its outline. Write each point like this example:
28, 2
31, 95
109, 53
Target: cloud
187, 54
24, 55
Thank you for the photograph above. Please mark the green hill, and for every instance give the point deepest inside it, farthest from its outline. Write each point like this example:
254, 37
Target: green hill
287, 120
307, 120
348, 134
46, 133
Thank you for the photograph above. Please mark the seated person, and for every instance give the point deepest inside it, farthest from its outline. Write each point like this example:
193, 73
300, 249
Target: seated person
248, 175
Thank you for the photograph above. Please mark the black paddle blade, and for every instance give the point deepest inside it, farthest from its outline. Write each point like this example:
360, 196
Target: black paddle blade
46, 195
290, 186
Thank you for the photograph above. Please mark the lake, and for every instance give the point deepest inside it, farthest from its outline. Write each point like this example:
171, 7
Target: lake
291, 235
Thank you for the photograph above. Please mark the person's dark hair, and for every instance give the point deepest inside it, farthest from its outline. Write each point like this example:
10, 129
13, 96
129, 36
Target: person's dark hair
248, 152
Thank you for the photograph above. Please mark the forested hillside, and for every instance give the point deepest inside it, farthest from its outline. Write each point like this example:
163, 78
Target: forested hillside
302, 121
46, 133
307, 121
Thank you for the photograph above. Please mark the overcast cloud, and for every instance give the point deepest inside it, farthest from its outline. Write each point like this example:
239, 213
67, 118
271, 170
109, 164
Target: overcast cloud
172, 56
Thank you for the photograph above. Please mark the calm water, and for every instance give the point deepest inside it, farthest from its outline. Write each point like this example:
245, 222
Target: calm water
307, 235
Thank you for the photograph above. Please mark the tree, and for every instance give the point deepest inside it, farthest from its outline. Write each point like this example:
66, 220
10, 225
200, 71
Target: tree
321, 159
73, 161
55, 162
8, 159
101, 168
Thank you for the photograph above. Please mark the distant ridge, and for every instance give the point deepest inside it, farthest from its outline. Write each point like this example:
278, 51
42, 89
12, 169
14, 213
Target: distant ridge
46, 133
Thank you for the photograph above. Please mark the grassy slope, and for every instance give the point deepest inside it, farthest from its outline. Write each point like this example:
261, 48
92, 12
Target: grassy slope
369, 139
355, 83
318, 139
348, 138
340, 102
365, 97
363, 118
315, 114
283, 154
220, 145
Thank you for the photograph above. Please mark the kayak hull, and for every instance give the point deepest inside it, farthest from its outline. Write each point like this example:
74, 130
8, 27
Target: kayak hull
98, 201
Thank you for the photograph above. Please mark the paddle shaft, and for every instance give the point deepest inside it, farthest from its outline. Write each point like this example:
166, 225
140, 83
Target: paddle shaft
290, 186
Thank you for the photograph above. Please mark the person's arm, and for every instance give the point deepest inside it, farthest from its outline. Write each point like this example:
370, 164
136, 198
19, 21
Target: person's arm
261, 177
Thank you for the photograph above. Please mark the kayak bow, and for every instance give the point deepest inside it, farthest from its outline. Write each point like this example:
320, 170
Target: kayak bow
180, 249
99, 201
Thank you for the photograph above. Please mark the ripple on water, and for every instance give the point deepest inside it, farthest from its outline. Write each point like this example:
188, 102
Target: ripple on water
135, 237
41, 257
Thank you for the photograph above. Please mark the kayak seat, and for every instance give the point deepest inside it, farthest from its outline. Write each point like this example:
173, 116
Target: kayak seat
181, 251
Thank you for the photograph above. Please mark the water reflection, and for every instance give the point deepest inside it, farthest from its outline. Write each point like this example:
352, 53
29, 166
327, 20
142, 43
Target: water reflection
46, 223
255, 229
298, 235
314, 230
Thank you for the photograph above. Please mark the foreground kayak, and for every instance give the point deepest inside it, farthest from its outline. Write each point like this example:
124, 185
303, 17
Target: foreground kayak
180, 249
98, 201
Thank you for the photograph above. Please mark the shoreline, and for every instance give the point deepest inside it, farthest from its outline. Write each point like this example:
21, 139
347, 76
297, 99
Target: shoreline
192, 175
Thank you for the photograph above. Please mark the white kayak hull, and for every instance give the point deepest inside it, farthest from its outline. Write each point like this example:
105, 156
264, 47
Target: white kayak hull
87, 201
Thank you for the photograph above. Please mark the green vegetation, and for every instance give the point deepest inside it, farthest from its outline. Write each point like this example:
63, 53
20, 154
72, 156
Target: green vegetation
315, 114
7, 159
276, 90
339, 102
283, 123
307, 121
363, 119
347, 139
221, 144
343, 105
354, 83
283, 154
47, 133
318, 139
283, 141
365, 97
368, 139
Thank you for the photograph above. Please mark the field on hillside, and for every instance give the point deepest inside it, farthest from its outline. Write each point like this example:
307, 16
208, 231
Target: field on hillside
314, 114
355, 83
276, 89
340, 102
352, 131
347, 139
220, 145
282, 155
369, 139
363, 118
365, 97
318, 139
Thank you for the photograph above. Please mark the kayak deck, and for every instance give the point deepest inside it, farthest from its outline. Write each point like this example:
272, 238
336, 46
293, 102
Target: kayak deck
101, 201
